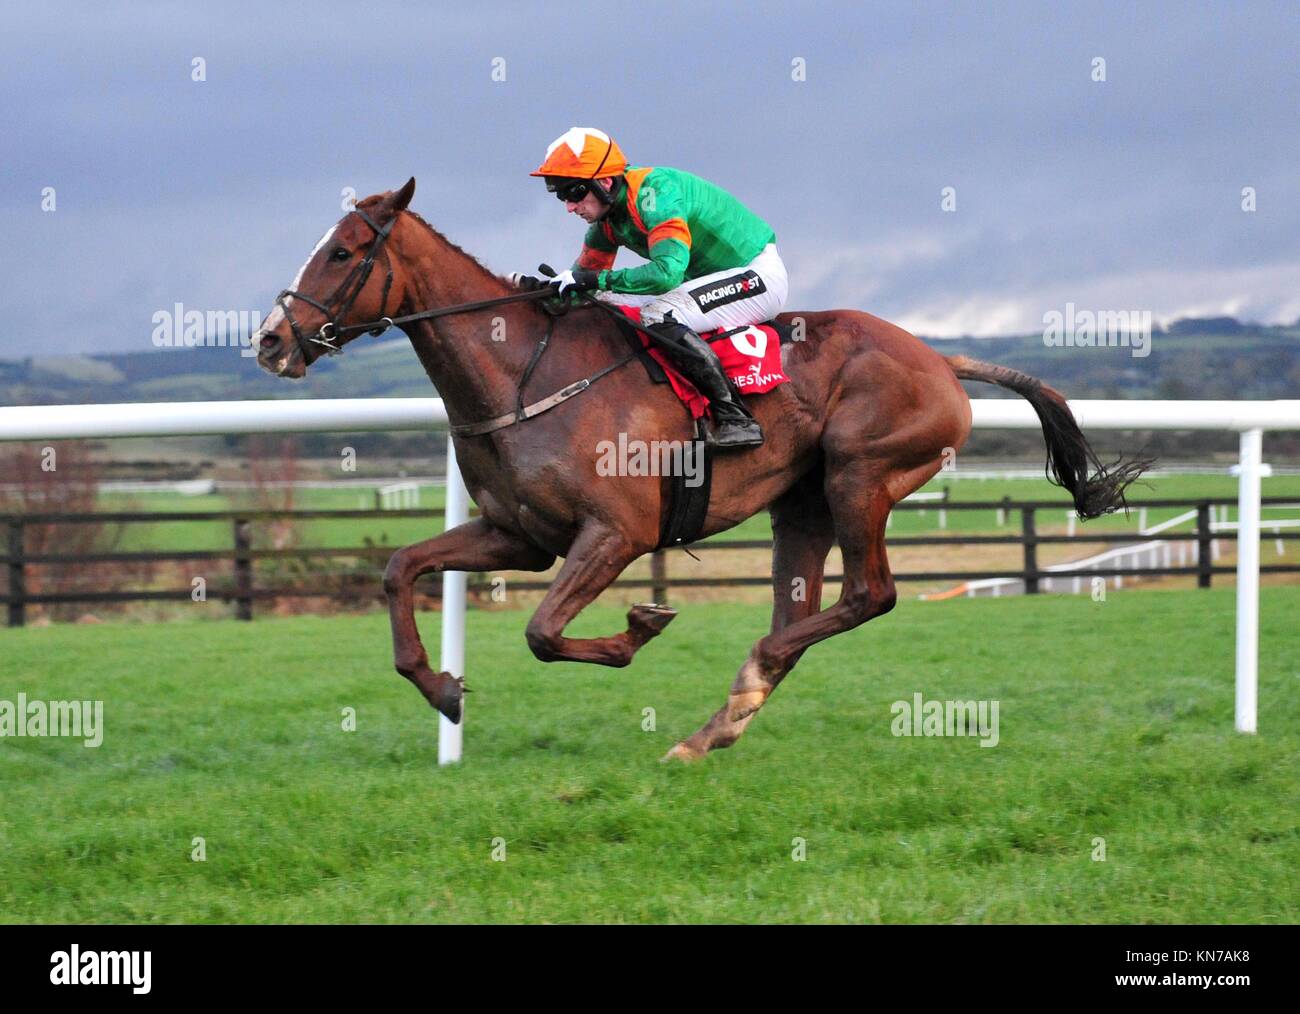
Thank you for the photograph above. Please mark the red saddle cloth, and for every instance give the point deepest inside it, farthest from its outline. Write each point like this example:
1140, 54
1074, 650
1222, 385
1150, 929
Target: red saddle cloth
750, 356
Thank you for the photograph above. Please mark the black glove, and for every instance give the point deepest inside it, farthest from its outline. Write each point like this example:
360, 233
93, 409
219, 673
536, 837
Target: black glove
575, 280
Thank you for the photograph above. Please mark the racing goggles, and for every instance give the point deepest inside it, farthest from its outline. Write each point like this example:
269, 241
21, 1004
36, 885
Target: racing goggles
573, 190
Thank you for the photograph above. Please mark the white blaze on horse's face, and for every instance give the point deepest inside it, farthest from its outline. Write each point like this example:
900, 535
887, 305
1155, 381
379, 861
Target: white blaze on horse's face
276, 315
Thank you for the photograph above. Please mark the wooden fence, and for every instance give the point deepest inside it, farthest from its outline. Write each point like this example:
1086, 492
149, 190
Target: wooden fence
239, 586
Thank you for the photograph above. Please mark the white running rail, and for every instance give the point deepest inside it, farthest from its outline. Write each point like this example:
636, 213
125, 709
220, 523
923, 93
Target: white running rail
201, 418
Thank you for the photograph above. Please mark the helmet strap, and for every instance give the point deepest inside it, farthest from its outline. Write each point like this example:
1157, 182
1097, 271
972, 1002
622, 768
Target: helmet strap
606, 197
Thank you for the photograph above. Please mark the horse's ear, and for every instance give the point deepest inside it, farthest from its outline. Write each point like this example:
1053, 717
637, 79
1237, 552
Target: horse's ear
403, 197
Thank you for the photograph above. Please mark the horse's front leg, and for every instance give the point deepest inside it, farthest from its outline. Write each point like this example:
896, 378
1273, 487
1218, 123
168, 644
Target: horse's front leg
474, 546
598, 555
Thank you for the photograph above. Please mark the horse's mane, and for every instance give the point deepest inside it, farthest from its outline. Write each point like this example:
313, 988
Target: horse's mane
488, 273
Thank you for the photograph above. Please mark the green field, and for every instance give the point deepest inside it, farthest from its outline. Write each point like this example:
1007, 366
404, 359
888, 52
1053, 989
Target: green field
395, 530
1115, 722
399, 530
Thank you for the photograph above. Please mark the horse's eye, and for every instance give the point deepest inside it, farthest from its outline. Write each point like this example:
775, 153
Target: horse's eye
341, 254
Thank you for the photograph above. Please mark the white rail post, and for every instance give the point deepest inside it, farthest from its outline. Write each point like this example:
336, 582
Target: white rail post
1248, 511
453, 610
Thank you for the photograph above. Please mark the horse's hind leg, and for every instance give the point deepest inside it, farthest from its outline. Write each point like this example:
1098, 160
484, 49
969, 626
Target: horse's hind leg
861, 494
860, 514
802, 535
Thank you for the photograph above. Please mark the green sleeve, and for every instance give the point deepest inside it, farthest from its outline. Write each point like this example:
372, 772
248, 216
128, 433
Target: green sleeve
665, 270
663, 210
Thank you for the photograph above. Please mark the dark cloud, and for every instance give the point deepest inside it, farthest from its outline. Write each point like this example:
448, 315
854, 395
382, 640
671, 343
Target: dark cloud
1123, 194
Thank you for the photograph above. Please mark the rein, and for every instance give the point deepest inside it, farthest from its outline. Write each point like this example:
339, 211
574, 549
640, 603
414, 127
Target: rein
384, 323
351, 287
523, 412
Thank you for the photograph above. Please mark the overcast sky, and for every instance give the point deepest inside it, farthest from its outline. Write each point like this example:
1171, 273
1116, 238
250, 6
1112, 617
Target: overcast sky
1122, 194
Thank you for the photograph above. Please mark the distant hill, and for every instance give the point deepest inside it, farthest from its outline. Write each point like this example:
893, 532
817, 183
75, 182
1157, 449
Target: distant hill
1194, 358
386, 368
1210, 358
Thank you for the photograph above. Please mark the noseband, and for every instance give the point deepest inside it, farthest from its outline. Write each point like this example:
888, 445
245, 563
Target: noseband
344, 296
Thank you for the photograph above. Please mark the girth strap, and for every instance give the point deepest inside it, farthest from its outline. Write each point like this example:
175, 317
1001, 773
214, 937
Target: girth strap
688, 506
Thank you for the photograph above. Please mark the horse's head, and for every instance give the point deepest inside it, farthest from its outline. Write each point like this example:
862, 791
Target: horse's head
350, 277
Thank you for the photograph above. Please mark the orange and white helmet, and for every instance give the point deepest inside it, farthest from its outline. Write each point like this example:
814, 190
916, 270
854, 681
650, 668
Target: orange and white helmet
582, 153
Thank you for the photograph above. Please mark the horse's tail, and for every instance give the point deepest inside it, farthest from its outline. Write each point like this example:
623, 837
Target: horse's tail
1068, 454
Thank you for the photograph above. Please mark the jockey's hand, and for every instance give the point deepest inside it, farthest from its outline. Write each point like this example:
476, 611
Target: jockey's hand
528, 283
575, 280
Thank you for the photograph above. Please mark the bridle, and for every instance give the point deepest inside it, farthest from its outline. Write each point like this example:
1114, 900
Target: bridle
350, 288
344, 296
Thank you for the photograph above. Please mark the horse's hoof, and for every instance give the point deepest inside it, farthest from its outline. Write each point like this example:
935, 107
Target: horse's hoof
648, 619
741, 706
451, 712
681, 752
444, 692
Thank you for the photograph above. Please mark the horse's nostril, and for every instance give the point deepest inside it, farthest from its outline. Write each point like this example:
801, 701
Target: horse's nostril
268, 342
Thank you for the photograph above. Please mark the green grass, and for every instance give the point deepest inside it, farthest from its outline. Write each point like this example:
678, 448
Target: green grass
1116, 722
399, 530
395, 530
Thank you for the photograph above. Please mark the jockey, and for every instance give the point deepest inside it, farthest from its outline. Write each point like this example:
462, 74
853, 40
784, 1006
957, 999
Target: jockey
712, 263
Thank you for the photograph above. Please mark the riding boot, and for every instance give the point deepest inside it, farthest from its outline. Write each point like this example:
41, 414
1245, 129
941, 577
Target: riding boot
733, 426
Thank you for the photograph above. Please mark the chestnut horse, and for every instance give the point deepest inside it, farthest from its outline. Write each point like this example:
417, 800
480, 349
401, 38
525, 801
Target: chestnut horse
868, 416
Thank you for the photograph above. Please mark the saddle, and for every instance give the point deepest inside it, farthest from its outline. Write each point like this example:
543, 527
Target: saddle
751, 359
